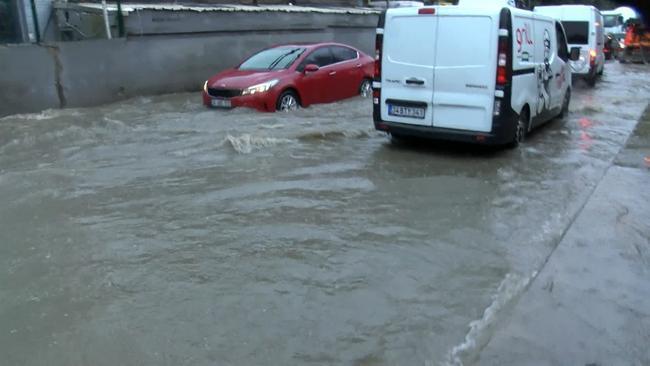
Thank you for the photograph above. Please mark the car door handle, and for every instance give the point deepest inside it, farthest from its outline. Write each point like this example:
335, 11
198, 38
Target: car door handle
414, 81
332, 73
359, 65
557, 75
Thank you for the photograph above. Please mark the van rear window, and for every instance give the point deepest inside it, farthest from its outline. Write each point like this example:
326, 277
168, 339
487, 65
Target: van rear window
576, 32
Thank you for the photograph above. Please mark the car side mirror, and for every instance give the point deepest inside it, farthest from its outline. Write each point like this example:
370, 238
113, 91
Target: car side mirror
311, 68
575, 54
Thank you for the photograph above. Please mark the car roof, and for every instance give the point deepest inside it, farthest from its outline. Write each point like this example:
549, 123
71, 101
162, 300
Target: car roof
311, 45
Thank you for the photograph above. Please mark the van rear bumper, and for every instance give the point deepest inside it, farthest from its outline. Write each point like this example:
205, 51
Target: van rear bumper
437, 133
503, 129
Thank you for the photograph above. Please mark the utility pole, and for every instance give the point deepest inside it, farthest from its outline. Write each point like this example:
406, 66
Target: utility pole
106, 23
120, 19
35, 17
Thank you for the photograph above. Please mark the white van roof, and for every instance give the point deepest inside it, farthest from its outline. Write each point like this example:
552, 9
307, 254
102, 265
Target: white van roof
567, 12
484, 3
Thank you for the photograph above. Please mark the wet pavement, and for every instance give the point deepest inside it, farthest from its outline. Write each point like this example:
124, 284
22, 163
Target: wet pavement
154, 231
590, 304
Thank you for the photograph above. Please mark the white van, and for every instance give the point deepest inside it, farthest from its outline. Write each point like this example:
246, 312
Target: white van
485, 73
584, 28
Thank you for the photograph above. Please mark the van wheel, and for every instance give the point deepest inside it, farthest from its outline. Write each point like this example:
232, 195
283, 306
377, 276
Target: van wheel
287, 101
591, 80
365, 89
565, 104
520, 129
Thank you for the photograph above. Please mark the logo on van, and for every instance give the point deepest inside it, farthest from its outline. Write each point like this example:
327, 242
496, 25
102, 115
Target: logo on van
523, 36
474, 86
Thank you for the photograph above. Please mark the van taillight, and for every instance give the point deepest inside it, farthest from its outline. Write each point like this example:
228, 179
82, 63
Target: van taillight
592, 57
376, 96
502, 62
378, 47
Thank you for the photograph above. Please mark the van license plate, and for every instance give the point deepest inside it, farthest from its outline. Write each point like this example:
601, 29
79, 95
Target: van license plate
408, 112
221, 103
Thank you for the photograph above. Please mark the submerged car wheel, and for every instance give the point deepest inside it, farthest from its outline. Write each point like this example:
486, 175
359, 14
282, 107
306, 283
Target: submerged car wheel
288, 101
365, 90
520, 129
565, 105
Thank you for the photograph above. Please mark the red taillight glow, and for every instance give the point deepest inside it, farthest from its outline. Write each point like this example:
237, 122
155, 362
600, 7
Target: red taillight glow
502, 62
593, 53
378, 45
502, 78
427, 11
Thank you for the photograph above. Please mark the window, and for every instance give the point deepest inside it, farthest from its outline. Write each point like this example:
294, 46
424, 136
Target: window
343, 54
611, 20
577, 32
272, 59
562, 49
320, 57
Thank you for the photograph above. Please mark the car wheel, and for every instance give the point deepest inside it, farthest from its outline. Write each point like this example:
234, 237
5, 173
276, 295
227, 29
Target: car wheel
520, 129
287, 101
365, 90
565, 105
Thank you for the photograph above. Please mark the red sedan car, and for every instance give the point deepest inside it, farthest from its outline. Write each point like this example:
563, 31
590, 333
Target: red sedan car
290, 76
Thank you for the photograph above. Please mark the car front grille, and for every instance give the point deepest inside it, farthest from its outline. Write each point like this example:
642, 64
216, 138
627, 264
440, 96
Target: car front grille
224, 93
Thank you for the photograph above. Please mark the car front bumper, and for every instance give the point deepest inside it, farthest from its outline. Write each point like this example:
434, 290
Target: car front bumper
264, 102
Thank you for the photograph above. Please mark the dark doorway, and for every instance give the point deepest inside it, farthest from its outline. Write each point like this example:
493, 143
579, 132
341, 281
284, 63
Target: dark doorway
9, 24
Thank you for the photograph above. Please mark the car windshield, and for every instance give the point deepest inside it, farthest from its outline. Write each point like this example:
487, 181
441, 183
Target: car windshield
577, 32
611, 20
272, 59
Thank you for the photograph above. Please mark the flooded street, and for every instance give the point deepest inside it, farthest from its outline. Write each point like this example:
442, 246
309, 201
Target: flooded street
157, 232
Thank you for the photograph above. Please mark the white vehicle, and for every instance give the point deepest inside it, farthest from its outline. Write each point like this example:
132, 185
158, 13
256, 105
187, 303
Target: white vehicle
484, 73
584, 28
613, 23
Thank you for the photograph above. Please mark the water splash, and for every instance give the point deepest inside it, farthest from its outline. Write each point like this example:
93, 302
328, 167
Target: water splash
481, 330
44, 115
246, 144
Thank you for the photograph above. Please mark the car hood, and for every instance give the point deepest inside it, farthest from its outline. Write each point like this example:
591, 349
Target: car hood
241, 79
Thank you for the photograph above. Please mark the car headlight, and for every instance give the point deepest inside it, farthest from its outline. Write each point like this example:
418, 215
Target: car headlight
205, 86
260, 88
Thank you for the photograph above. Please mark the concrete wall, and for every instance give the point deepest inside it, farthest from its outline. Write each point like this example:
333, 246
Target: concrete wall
27, 79
88, 73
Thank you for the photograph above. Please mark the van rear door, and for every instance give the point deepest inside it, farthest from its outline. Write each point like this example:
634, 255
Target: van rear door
407, 67
465, 71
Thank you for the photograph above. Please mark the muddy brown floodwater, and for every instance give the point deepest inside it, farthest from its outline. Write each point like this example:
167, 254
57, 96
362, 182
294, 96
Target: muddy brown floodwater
157, 232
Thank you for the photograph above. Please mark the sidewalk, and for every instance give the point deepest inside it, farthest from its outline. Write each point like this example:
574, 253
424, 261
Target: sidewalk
590, 304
